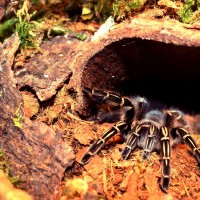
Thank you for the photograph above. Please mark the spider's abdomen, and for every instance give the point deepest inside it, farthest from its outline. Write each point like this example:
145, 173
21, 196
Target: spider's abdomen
175, 119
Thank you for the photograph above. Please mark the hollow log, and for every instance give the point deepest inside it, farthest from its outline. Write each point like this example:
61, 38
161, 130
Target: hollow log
136, 56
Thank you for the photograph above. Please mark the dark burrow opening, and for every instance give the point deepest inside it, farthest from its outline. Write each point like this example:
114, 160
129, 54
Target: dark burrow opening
166, 74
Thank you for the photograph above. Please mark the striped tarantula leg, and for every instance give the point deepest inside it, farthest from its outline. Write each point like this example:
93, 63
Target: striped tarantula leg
165, 147
107, 98
96, 147
150, 141
190, 142
99, 95
131, 141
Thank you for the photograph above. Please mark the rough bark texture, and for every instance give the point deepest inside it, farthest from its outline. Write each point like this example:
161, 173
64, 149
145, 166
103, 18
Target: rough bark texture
37, 155
48, 70
3, 5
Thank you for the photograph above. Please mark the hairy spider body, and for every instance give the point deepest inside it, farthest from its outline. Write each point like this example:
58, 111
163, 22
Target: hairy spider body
145, 134
150, 130
150, 134
125, 111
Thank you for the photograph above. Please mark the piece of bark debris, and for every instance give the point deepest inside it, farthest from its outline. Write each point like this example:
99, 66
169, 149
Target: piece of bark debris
48, 69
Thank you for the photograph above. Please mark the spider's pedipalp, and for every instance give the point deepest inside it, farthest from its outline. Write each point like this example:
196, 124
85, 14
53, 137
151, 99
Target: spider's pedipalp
150, 140
140, 104
151, 124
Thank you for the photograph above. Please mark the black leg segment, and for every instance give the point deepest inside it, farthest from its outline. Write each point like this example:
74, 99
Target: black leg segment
132, 141
165, 147
96, 147
190, 142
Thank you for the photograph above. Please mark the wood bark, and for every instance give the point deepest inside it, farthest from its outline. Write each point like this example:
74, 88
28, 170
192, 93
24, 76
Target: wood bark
36, 154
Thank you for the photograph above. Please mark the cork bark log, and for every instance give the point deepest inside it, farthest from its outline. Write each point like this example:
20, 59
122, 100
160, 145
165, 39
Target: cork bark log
36, 154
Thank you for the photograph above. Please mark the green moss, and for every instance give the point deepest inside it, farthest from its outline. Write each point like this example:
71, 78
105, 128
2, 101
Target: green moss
7, 28
58, 30
32, 28
17, 119
190, 11
105, 8
29, 32
124, 8
186, 12
4, 166
120, 9
33, 2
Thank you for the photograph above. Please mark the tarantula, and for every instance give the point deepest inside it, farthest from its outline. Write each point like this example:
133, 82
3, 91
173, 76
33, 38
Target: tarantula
150, 130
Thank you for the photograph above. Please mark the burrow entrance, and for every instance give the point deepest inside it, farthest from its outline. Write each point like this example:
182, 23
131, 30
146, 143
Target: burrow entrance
166, 74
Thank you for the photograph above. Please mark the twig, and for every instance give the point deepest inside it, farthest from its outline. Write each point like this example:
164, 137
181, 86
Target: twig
105, 180
186, 191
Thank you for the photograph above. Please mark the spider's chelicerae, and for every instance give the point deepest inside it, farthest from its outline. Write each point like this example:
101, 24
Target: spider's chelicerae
150, 130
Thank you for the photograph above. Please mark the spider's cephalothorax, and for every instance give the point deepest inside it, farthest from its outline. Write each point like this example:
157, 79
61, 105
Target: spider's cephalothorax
150, 130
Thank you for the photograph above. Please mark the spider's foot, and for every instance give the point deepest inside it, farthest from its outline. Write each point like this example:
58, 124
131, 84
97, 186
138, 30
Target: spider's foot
95, 148
86, 158
165, 183
197, 155
126, 152
145, 155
